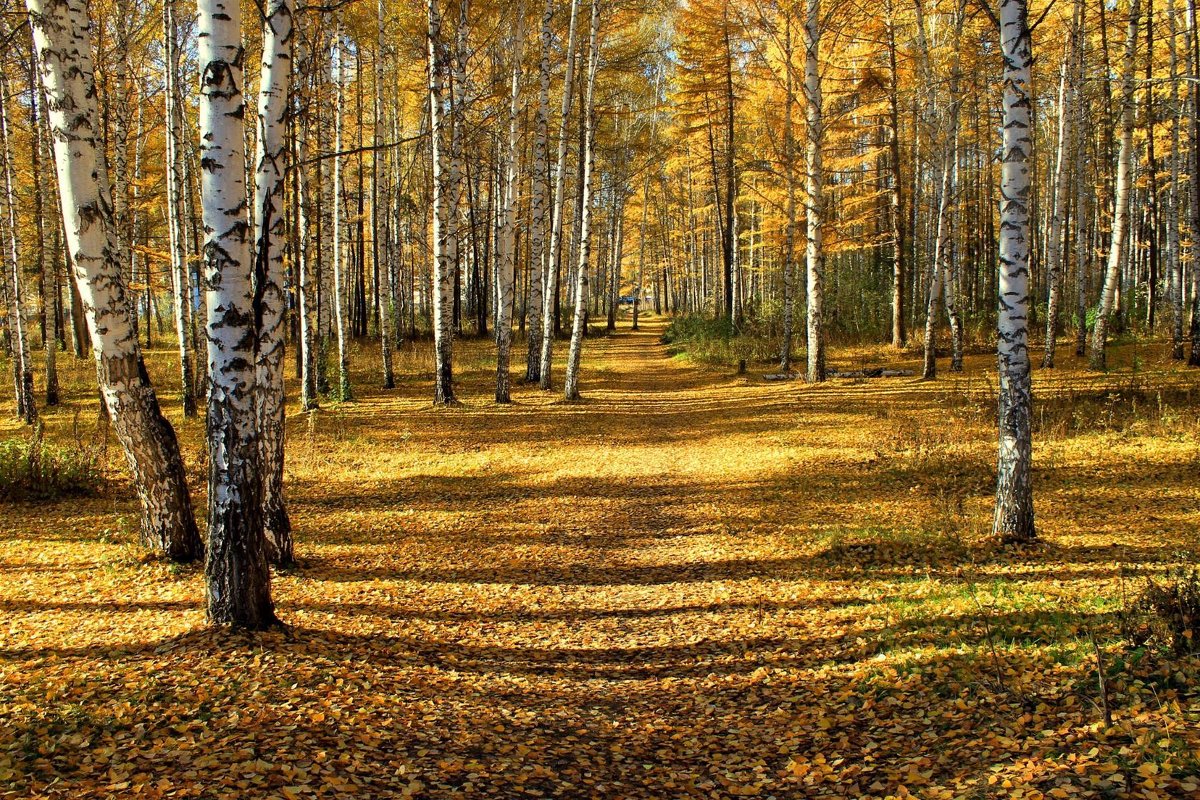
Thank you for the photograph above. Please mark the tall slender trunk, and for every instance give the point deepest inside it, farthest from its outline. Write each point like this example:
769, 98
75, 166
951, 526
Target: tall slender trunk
307, 269
640, 290
377, 220
61, 39
340, 297
575, 353
445, 213
1174, 262
538, 211
237, 572
1120, 226
814, 184
46, 272
270, 241
18, 324
1014, 474
896, 189
550, 299
507, 262
1055, 259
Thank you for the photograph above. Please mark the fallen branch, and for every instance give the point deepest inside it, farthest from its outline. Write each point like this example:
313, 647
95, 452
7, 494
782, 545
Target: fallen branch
874, 372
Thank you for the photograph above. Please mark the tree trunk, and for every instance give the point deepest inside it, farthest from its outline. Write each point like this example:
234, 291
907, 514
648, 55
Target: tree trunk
444, 220
1120, 228
815, 179
506, 263
18, 323
538, 211
270, 241
579, 323
340, 294
384, 274
61, 39
1014, 475
237, 572
553, 268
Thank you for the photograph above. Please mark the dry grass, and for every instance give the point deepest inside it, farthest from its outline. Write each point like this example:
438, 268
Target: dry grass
692, 584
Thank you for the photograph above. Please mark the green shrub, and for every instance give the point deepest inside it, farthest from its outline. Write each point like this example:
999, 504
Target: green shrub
32, 469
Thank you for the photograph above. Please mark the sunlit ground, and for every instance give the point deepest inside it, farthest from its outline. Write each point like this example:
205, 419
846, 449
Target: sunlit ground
692, 584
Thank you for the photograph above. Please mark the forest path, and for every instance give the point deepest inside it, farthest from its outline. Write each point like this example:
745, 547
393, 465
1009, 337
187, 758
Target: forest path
692, 584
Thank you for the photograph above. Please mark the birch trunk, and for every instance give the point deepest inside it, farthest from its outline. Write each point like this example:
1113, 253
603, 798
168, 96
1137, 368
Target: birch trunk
579, 323
554, 255
237, 572
1120, 226
538, 211
444, 213
49, 294
377, 219
506, 264
1055, 260
1014, 475
814, 184
270, 241
61, 40
309, 399
18, 324
896, 190
182, 299
340, 299
1174, 263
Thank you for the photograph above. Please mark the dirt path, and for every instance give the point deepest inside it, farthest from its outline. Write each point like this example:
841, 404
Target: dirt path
690, 585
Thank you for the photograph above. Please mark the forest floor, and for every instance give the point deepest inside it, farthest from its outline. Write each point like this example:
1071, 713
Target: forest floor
692, 584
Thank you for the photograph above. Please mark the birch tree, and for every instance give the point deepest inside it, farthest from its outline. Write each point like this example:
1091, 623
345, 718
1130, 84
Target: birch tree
340, 298
18, 324
236, 570
506, 266
177, 235
1055, 260
550, 284
814, 186
539, 213
1014, 475
575, 353
270, 240
1121, 197
63, 47
444, 213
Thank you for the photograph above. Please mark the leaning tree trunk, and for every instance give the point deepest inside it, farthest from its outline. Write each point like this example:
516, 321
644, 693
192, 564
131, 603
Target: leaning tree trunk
237, 571
61, 39
538, 212
1014, 475
18, 326
270, 240
554, 253
1120, 227
506, 263
579, 323
815, 187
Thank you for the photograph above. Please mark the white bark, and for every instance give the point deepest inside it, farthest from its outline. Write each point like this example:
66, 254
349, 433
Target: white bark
340, 295
60, 32
550, 284
1120, 227
1014, 480
445, 210
18, 324
506, 255
1055, 259
384, 271
238, 577
575, 353
270, 241
815, 190
539, 213
173, 115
